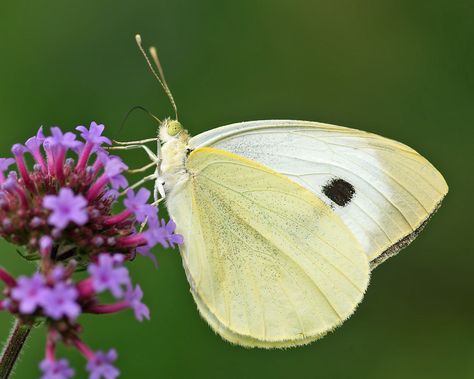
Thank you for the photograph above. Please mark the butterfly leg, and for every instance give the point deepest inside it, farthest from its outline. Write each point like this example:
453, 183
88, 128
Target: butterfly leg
142, 169
140, 182
151, 154
159, 188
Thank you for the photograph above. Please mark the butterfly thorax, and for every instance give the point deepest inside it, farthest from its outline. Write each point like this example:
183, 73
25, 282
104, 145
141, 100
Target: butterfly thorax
173, 154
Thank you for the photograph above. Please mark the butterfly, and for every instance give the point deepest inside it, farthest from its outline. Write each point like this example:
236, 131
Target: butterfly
284, 220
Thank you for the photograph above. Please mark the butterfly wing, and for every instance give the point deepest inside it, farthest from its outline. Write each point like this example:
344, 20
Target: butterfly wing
383, 190
269, 263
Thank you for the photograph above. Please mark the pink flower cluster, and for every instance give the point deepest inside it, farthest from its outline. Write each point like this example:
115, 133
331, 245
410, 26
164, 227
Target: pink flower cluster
60, 214
61, 203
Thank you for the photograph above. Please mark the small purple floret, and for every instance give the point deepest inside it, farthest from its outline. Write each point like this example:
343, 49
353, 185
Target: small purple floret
134, 297
34, 143
94, 134
113, 169
101, 365
5, 163
137, 204
29, 293
66, 207
66, 140
60, 301
19, 149
108, 274
145, 252
59, 369
162, 234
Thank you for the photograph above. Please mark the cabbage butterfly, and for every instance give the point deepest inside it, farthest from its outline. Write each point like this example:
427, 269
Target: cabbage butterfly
283, 220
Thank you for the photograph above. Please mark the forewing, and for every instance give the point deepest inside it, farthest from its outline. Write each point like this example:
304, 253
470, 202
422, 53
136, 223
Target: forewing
383, 190
269, 263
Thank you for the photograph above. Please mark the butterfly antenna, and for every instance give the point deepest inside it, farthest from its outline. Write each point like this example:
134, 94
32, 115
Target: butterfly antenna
137, 107
160, 75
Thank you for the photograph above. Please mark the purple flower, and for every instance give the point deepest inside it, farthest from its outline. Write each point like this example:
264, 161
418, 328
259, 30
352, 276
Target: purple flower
171, 237
113, 169
137, 203
19, 149
66, 207
94, 134
94, 139
29, 292
39, 135
134, 298
101, 365
163, 234
145, 251
59, 369
60, 301
66, 140
5, 163
108, 274
34, 143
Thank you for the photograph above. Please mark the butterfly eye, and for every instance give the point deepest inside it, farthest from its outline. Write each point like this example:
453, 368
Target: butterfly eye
174, 127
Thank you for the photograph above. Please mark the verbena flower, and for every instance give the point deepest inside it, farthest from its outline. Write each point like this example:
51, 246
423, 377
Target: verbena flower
58, 369
107, 274
66, 207
59, 213
101, 365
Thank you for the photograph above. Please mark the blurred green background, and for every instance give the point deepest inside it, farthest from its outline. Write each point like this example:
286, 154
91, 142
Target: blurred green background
403, 69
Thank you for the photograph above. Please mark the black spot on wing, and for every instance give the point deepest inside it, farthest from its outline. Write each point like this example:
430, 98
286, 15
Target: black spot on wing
339, 191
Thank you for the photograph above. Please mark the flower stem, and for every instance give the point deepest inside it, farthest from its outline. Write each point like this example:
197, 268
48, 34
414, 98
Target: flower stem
12, 348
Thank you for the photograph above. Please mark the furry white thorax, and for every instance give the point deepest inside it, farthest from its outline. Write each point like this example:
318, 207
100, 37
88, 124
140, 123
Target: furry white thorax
173, 158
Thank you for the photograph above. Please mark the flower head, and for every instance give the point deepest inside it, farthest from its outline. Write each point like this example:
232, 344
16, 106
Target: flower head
60, 214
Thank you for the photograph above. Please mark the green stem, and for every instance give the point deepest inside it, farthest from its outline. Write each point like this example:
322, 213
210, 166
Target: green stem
12, 348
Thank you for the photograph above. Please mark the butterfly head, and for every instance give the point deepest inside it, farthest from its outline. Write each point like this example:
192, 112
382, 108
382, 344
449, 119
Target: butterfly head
172, 130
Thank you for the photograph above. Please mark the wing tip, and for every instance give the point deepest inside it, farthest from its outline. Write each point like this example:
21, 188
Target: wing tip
406, 240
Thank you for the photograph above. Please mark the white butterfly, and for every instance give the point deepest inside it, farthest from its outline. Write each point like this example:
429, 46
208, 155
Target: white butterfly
283, 220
